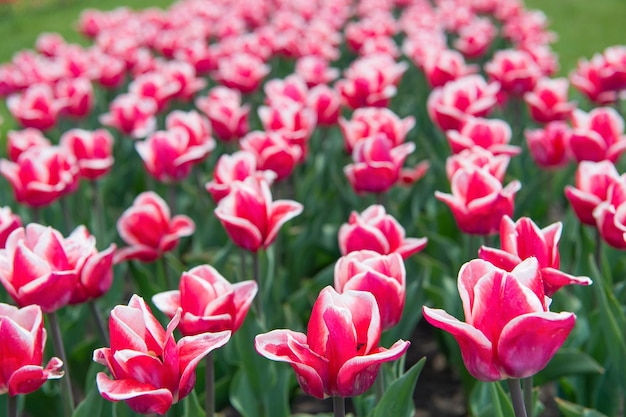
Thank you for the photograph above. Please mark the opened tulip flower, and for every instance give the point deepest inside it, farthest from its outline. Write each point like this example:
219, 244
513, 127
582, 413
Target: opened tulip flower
491, 134
549, 147
150, 371
375, 121
597, 135
478, 157
22, 344
36, 106
515, 70
610, 215
508, 330
272, 152
208, 301
382, 275
149, 229
93, 151
132, 115
9, 221
228, 116
19, 141
250, 216
375, 230
522, 239
339, 356
547, 102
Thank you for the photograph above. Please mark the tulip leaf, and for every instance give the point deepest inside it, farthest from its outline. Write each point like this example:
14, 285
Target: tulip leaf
398, 398
91, 406
566, 362
488, 399
569, 409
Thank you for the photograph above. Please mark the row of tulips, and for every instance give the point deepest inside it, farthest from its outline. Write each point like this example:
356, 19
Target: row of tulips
354, 92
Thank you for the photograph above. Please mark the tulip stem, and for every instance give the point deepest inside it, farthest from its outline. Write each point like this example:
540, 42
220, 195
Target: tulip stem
166, 276
339, 406
99, 322
517, 398
256, 275
527, 386
598, 249
98, 209
66, 214
57, 340
209, 400
379, 386
11, 405
35, 214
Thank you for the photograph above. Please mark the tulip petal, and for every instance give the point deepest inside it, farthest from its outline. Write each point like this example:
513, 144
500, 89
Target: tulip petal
168, 302
281, 212
554, 279
528, 342
142, 398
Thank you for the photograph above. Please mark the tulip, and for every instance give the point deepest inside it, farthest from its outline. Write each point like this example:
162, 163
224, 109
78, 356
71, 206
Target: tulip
293, 88
315, 70
78, 95
446, 65
22, 343
19, 141
228, 116
475, 38
593, 180
515, 70
610, 215
197, 126
491, 134
326, 103
588, 78
155, 86
375, 230
478, 157
339, 356
508, 330
241, 71
478, 200
132, 115
272, 152
150, 371
597, 135
93, 151
523, 239
382, 275
36, 107
250, 217
41, 175
208, 301
375, 121
8, 223
549, 147
548, 100
182, 74
149, 229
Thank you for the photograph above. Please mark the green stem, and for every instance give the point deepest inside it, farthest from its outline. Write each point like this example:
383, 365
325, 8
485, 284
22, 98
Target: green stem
98, 206
209, 401
11, 405
379, 386
527, 386
99, 322
256, 275
167, 280
339, 406
67, 223
35, 214
57, 340
597, 254
517, 398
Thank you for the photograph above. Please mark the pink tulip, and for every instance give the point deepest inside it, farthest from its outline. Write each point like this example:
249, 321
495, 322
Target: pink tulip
375, 230
480, 158
272, 152
326, 103
491, 134
197, 126
315, 70
615, 75
508, 330
446, 65
375, 121
610, 215
593, 180
475, 38
156, 86
41, 175
382, 275
9, 221
182, 74
35, 107
515, 70
228, 116
523, 239
111, 70
250, 217
478, 200
548, 100
78, 96
241, 71
132, 115
19, 141
208, 301
549, 147
325, 360
93, 151
588, 78
150, 371
293, 87
149, 229
22, 344
597, 135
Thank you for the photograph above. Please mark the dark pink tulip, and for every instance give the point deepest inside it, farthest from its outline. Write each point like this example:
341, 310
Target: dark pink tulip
78, 96
480, 158
375, 121
41, 175
508, 330
615, 75
156, 86
478, 200
523, 239
588, 79
272, 152
382, 275
549, 147
375, 230
20, 140
241, 71
315, 70
50, 43
150, 371
35, 107
451, 105
199, 54
548, 100
445, 65
22, 344
37, 267
475, 38
293, 87
94, 269
610, 215
197, 126
326, 103
593, 180
149, 230
111, 70
235, 167
8, 223
250, 217
208, 301
132, 115
228, 116
376, 164
325, 359
515, 70
93, 151
184, 76
493, 135
597, 135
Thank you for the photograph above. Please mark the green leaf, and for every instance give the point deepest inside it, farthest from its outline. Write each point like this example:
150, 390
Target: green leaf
398, 398
574, 410
488, 399
91, 406
192, 406
567, 362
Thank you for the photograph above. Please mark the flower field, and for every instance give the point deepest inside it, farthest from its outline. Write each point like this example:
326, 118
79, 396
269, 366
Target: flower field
269, 207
